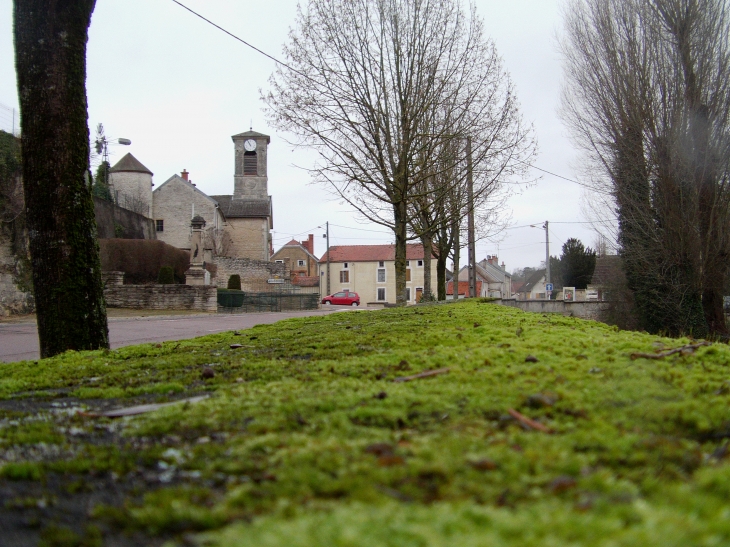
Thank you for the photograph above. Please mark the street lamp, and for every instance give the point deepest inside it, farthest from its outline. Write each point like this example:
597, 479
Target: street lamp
547, 251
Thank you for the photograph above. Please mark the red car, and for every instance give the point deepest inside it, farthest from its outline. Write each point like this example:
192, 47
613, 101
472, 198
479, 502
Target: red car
343, 298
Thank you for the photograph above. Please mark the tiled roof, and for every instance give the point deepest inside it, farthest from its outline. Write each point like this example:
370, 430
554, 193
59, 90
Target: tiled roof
608, 270
243, 208
533, 280
129, 164
463, 287
371, 253
293, 243
251, 134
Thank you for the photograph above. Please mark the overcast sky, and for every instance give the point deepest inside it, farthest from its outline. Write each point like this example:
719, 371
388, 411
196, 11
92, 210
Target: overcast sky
179, 88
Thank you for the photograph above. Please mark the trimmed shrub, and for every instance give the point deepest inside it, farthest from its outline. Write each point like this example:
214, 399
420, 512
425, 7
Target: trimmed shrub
142, 259
234, 282
166, 276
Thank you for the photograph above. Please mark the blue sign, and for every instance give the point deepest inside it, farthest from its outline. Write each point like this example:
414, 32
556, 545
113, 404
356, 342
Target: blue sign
548, 286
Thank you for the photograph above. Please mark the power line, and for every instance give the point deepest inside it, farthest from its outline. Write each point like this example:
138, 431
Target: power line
240, 39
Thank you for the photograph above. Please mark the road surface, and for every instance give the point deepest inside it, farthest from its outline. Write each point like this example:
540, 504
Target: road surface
19, 341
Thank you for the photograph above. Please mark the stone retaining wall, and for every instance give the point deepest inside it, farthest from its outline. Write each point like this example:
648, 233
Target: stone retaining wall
254, 273
162, 297
584, 310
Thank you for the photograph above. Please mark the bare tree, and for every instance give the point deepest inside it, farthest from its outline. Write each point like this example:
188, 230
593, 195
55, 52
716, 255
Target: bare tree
648, 97
50, 60
217, 240
377, 87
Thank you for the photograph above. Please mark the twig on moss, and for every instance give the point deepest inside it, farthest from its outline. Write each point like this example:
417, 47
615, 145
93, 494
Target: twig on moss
426, 374
690, 348
527, 421
140, 409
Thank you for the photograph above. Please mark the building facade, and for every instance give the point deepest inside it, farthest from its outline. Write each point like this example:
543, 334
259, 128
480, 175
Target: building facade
299, 258
369, 270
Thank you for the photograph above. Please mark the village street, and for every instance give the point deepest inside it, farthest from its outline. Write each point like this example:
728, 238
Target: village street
19, 340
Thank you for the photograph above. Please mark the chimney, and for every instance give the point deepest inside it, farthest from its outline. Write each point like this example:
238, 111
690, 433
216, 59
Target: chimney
493, 260
184, 174
310, 244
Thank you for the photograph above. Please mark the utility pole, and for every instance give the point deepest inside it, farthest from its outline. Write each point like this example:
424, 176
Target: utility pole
327, 235
547, 253
472, 259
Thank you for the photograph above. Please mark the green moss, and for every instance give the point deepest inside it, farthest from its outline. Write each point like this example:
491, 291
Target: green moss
308, 439
22, 471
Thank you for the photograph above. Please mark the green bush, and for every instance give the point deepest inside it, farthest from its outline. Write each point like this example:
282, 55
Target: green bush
166, 276
234, 282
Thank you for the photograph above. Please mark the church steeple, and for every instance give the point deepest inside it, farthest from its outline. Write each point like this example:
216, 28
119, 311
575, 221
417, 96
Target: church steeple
251, 173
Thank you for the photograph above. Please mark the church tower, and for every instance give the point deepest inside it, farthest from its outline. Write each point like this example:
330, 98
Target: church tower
251, 175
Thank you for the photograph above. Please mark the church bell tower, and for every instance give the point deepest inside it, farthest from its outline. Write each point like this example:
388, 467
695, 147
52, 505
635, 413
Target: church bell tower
251, 174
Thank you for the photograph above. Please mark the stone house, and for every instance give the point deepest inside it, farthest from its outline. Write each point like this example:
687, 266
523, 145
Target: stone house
369, 270
493, 280
299, 259
237, 225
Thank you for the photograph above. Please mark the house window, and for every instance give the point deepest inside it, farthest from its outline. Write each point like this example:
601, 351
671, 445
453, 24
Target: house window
346, 265
408, 294
344, 276
408, 274
160, 225
250, 164
300, 262
420, 263
381, 275
279, 261
381, 264
381, 295
408, 262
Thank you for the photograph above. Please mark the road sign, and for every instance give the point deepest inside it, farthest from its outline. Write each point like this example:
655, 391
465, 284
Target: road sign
548, 287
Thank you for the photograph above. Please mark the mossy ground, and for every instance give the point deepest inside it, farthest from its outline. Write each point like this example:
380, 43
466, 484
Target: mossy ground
306, 439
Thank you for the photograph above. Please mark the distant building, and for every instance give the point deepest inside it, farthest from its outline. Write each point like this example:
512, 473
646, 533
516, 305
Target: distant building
237, 225
369, 270
300, 261
534, 287
493, 280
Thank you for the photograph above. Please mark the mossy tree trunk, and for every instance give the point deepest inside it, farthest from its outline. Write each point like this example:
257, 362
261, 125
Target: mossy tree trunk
50, 59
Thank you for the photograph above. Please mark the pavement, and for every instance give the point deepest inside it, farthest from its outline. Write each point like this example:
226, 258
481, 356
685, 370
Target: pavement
19, 339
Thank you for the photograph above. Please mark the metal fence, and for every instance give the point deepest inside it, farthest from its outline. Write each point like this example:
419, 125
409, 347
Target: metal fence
230, 301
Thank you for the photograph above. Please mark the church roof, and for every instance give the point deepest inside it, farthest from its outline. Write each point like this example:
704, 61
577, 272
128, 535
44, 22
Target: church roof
244, 208
129, 164
251, 134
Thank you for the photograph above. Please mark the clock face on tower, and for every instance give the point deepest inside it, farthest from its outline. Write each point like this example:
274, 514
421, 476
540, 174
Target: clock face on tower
249, 145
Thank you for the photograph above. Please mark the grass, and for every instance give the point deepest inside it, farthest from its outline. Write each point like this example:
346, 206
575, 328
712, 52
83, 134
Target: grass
306, 439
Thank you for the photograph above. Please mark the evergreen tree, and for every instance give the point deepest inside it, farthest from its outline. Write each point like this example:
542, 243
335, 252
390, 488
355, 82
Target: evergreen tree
577, 264
100, 188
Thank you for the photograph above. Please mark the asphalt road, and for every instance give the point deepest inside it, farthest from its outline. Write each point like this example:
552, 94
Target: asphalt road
19, 341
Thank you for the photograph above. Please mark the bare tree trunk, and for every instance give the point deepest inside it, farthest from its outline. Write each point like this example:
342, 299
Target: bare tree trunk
50, 59
427, 243
401, 237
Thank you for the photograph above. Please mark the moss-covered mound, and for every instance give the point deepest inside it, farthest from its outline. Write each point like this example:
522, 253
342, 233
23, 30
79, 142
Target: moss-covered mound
537, 430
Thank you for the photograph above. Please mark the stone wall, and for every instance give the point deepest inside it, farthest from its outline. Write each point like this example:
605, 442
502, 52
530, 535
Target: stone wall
254, 273
585, 310
173, 205
13, 300
133, 191
249, 238
115, 222
162, 297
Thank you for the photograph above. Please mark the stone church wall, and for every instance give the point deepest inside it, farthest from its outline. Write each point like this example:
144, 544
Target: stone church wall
249, 238
172, 199
255, 274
